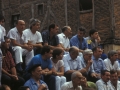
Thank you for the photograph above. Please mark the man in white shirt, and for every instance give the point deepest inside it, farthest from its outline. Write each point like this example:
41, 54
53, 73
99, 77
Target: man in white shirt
64, 37
19, 46
75, 83
2, 20
34, 37
115, 84
103, 83
111, 62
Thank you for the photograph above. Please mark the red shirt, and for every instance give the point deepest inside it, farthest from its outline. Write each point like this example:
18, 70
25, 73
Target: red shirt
8, 62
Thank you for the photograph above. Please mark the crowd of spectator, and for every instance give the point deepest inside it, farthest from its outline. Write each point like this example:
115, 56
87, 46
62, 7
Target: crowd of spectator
53, 60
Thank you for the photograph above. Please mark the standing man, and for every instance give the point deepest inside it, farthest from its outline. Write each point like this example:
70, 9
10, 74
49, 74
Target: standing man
50, 36
64, 37
103, 83
75, 82
79, 40
19, 46
34, 37
115, 83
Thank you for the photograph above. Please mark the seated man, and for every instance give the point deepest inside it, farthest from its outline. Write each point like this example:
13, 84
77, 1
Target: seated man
118, 52
93, 40
111, 62
103, 83
115, 83
9, 74
50, 36
75, 82
64, 38
19, 46
79, 40
44, 60
34, 37
34, 83
2, 20
86, 61
72, 62
98, 63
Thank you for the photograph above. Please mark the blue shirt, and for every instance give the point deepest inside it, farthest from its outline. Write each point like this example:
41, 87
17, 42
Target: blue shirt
74, 41
54, 41
98, 65
83, 65
38, 60
118, 61
33, 85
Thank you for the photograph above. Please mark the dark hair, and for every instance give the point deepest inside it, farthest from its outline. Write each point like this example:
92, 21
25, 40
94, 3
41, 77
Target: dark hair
113, 72
56, 52
2, 17
45, 49
95, 49
82, 29
92, 31
33, 67
3, 87
104, 71
88, 88
23, 88
52, 26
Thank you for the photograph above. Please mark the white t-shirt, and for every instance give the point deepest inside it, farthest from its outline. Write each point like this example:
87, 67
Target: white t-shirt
58, 65
14, 34
3, 30
64, 40
109, 65
33, 38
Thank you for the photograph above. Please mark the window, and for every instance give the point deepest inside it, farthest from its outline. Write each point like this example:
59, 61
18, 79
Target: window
14, 19
85, 5
40, 9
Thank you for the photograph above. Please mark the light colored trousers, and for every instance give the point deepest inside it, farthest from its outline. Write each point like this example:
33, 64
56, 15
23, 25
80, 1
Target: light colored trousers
19, 52
0, 65
60, 80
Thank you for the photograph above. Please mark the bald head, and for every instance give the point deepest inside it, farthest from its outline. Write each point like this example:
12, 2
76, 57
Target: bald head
20, 25
76, 74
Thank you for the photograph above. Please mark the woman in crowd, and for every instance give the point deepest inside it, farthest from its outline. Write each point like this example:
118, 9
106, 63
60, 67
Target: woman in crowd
58, 67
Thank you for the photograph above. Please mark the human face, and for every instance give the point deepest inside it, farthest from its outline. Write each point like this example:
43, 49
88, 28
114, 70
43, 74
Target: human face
77, 79
114, 57
59, 57
114, 78
106, 77
80, 34
36, 27
49, 54
68, 32
7, 43
95, 35
83, 81
2, 22
119, 55
21, 25
55, 30
74, 54
87, 57
37, 73
98, 53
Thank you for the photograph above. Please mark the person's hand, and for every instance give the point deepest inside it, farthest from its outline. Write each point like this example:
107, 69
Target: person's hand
46, 70
54, 72
14, 77
89, 62
29, 47
94, 75
42, 87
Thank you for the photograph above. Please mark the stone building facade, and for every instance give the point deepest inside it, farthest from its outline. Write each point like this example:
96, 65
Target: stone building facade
103, 16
